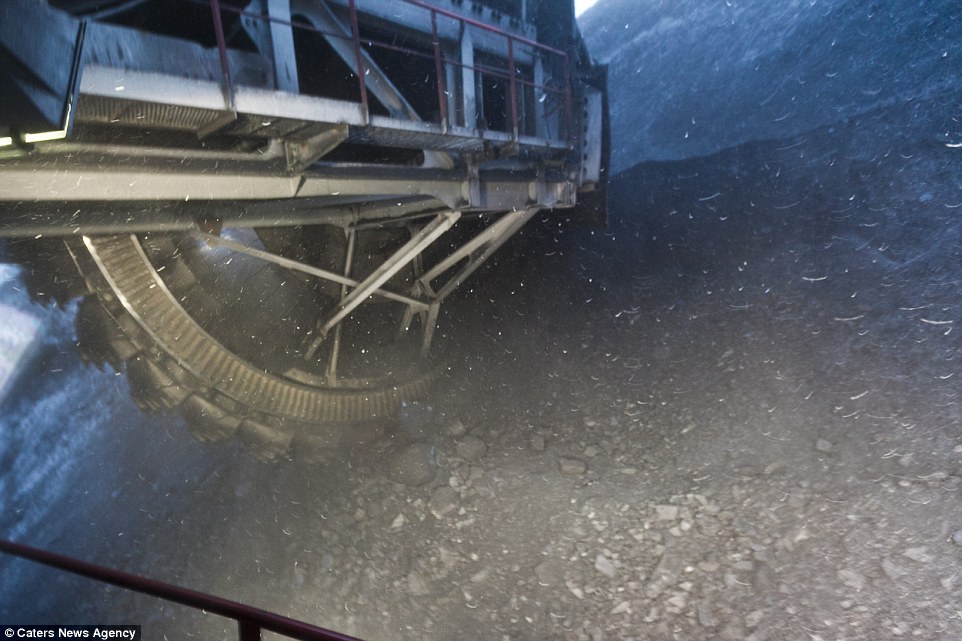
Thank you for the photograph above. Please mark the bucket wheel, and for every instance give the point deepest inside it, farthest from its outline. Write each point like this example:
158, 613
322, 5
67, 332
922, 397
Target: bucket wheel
234, 340
258, 334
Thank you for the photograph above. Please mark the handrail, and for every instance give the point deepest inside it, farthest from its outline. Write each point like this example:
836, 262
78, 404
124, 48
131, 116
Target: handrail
511, 73
222, 50
486, 27
439, 70
513, 80
356, 40
250, 620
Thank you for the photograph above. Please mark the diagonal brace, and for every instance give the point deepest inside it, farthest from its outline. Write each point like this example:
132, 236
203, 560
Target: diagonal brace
476, 251
411, 249
339, 36
306, 269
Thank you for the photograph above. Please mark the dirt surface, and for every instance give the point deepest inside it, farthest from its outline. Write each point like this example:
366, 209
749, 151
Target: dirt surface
734, 414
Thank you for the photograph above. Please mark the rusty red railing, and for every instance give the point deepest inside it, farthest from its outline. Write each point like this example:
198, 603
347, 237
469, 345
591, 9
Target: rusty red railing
516, 79
250, 621
356, 41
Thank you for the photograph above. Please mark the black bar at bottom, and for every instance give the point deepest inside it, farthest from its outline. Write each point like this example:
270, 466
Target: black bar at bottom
246, 615
247, 631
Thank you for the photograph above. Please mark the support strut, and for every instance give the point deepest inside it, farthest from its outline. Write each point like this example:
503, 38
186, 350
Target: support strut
331, 373
424, 298
418, 243
473, 254
287, 263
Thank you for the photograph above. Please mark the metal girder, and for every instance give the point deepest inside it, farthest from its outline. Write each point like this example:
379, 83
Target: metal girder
282, 45
52, 185
320, 16
424, 300
331, 373
375, 80
475, 252
469, 105
302, 154
288, 263
412, 17
56, 182
407, 253
430, 323
28, 220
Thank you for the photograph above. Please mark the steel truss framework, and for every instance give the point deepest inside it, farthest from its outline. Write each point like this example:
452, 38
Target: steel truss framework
424, 299
166, 134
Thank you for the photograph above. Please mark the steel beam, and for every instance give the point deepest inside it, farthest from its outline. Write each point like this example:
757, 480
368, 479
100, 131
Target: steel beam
52, 182
288, 263
373, 78
320, 16
303, 154
407, 253
28, 220
469, 105
476, 252
282, 44
430, 326
331, 373
32, 184
413, 17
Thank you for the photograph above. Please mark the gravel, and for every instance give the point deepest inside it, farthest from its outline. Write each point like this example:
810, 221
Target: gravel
605, 566
919, 554
550, 572
571, 465
537, 443
471, 448
444, 501
666, 512
455, 428
747, 357
852, 579
412, 465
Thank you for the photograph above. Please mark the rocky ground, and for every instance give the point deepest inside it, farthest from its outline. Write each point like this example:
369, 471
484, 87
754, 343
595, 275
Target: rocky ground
733, 414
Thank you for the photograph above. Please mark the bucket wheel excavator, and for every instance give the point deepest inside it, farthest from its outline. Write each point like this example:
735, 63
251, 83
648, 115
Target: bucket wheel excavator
264, 203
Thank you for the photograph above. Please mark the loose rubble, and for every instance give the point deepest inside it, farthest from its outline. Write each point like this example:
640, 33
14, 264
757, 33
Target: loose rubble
723, 417
413, 465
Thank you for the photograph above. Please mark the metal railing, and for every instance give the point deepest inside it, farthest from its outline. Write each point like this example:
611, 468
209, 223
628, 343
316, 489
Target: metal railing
250, 621
559, 90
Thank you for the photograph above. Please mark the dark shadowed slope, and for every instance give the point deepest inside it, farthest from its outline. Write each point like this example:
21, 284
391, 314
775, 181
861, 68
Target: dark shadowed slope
690, 78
